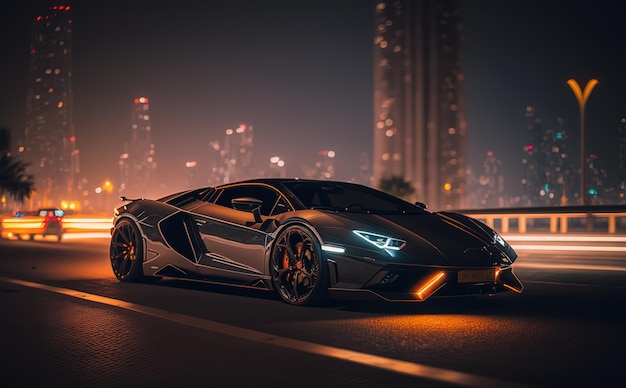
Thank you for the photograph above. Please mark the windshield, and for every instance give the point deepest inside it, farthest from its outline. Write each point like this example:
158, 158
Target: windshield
340, 196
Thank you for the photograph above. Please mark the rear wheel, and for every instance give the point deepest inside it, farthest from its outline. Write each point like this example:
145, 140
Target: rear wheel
126, 252
299, 274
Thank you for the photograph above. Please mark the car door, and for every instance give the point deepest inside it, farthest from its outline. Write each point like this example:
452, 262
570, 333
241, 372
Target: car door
235, 242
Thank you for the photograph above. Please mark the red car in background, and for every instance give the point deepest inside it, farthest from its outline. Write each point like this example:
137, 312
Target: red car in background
28, 224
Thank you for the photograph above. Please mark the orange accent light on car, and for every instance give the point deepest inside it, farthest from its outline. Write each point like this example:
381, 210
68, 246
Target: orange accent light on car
431, 285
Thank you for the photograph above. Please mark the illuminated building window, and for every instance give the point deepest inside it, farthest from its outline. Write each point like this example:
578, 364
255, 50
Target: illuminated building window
383, 44
385, 156
57, 71
396, 156
50, 90
397, 48
48, 71
37, 79
454, 107
60, 104
389, 122
451, 131
380, 125
389, 132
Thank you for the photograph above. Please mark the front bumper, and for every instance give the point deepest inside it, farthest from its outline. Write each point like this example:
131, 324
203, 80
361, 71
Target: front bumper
417, 285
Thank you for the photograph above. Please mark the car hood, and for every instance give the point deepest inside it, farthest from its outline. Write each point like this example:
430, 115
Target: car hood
446, 239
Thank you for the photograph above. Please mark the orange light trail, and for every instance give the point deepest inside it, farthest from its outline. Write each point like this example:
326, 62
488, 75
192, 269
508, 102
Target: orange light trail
431, 286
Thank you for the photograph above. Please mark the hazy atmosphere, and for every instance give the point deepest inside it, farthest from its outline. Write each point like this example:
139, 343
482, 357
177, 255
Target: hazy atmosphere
300, 72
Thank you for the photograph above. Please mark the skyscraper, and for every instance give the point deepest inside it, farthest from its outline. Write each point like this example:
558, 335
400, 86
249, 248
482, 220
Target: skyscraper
237, 153
420, 127
549, 178
49, 138
138, 163
621, 141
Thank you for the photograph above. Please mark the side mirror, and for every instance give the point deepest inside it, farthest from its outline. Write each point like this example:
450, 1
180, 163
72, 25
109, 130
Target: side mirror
249, 204
421, 205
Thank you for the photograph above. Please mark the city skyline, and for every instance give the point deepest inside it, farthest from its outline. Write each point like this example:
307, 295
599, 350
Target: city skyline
420, 132
303, 77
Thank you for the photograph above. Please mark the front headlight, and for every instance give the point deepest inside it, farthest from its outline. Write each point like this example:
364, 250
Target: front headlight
381, 241
499, 239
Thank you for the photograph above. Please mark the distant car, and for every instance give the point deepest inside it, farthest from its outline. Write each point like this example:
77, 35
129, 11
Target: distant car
310, 240
28, 224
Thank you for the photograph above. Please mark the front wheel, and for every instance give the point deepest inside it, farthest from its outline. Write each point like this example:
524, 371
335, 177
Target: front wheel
299, 273
126, 252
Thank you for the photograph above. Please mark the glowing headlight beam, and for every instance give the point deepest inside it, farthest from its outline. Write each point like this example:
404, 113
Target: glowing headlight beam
333, 249
499, 239
381, 241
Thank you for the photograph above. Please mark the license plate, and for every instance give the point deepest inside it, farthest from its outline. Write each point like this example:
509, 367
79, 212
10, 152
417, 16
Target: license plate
477, 275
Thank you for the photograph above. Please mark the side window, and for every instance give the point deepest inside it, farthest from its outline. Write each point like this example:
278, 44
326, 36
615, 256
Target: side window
281, 207
265, 194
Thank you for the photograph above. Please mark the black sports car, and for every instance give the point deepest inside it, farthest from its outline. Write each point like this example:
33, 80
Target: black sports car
310, 240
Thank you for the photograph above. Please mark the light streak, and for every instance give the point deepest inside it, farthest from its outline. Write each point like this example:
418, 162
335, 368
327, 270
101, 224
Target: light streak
576, 238
586, 248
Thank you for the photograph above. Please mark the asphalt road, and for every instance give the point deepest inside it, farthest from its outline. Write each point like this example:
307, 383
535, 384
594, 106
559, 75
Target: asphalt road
66, 321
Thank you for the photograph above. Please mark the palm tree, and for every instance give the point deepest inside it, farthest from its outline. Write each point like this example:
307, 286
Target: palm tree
15, 182
397, 186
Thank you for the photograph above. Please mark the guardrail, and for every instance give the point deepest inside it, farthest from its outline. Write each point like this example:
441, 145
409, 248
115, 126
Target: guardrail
602, 219
553, 220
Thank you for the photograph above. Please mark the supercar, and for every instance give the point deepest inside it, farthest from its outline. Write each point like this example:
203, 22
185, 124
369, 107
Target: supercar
310, 240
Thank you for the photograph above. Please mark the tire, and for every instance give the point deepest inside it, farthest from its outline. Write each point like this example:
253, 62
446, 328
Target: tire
54, 229
299, 273
126, 252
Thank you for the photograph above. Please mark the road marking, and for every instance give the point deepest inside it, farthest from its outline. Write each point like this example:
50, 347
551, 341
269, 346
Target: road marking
389, 364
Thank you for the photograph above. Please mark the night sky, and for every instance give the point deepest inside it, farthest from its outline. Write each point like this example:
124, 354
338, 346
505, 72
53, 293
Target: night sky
300, 72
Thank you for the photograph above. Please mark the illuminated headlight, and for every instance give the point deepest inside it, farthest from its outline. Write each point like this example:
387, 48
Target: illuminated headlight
499, 239
333, 248
381, 241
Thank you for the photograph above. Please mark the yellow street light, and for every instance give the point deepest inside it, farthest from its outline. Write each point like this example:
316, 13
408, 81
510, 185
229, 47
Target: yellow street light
582, 96
107, 187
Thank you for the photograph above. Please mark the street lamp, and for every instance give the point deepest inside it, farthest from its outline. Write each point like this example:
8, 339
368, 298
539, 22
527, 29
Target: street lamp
277, 163
582, 96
